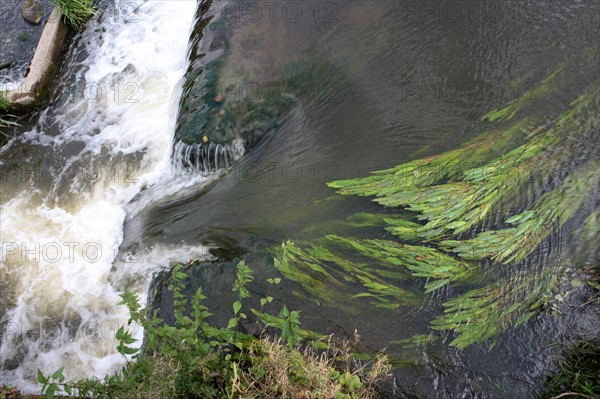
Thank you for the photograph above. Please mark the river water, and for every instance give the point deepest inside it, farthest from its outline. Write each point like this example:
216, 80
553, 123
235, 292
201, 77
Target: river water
94, 201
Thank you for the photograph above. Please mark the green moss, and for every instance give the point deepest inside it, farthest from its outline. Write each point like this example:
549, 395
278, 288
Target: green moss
43, 91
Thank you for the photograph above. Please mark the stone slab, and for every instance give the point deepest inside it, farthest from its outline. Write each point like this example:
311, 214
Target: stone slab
42, 64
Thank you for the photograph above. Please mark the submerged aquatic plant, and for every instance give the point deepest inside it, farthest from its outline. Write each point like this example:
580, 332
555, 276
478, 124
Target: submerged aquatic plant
322, 271
4, 103
532, 226
463, 211
482, 313
450, 165
439, 268
457, 206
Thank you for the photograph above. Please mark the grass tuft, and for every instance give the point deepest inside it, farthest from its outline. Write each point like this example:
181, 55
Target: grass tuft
579, 374
76, 12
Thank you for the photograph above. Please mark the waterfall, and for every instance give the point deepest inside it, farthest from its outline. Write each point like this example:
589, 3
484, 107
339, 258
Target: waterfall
69, 183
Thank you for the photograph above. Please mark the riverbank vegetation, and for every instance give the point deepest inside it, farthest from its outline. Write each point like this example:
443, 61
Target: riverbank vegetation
579, 375
75, 12
196, 359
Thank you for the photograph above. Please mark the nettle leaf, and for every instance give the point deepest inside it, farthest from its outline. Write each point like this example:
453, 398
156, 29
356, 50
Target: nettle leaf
129, 350
120, 333
237, 305
232, 323
41, 378
58, 374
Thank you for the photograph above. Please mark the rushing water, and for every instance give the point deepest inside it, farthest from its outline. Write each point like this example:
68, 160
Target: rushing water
100, 192
66, 184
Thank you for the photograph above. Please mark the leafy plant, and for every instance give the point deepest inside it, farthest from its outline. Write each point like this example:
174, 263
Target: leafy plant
290, 331
51, 383
9, 392
193, 358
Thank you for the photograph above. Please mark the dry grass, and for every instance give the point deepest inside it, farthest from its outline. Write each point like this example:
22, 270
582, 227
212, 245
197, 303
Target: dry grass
277, 372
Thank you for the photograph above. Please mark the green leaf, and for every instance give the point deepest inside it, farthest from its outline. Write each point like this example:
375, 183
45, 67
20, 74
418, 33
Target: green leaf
237, 305
434, 285
50, 391
232, 323
41, 378
58, 373
129, 351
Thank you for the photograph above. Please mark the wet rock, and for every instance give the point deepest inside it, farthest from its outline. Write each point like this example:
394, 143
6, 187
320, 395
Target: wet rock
32, 12
5, 65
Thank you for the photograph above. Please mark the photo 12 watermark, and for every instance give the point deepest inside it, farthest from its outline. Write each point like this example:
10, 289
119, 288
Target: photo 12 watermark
64, 252
494, 93
318, 12
48, 332
123, 172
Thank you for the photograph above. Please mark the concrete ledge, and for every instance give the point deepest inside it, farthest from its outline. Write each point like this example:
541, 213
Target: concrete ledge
43, 63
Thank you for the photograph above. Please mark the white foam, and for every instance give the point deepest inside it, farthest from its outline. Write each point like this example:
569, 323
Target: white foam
60, 256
